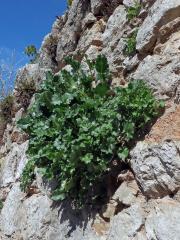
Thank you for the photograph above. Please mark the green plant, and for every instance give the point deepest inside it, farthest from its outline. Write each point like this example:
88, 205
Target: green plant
133, 11
130, 44
69, 2
31, 52
1, 205
78, 125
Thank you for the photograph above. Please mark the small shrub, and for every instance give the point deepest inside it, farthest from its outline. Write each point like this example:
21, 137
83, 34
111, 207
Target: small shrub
1, 205
130, 47
25, 91
69, 2
76, 130
133, 11
6, 108
32, 52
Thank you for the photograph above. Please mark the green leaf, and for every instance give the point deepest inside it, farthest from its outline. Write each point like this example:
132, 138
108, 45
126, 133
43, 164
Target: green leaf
42, 171
87, 158
74, 64
133, 11
123, 153
101, 89
128, 130
75, 129
56, 99
58, 197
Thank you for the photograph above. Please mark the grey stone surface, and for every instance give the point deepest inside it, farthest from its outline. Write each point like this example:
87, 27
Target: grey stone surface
157, 167
129, 3
125, 225
163, 221
162, 12
11, 214
161, 73
161, 70
88, 20
113, 41
31, 73
126, 193
13, 164
72, 30
37, 217
114, 26
91, 37
34, 217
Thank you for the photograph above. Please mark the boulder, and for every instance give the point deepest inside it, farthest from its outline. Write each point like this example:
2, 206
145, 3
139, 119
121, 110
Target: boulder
127, 193
157, 167
127, 223
161, 73
88, 20
163, 221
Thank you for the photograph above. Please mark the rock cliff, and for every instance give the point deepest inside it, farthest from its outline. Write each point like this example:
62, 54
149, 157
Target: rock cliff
146, 203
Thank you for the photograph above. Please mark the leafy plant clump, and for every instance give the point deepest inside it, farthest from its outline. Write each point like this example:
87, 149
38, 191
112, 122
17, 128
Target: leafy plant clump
130, 46
32, 53
78, 125
133, 11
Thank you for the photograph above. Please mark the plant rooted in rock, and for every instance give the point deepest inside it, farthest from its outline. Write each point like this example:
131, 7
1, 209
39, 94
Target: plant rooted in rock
69, 2
32, 53
130, 46
78, 125
1, 205
133, 11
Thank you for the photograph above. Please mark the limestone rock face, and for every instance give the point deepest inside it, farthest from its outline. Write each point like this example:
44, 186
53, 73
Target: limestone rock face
91, 37
31, 73
126, 223
163, 221
144, 201
13, 164
112, 40
11, 213
162, 12
161, 70
71, 32
157, 168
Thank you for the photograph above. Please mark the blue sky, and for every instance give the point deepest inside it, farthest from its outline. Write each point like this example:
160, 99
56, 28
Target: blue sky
25, 22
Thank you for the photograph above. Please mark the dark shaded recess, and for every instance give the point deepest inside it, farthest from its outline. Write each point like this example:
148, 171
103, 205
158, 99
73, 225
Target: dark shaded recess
107, 8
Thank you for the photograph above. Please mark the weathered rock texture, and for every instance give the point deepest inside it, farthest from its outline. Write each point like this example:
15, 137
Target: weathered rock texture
146, 205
